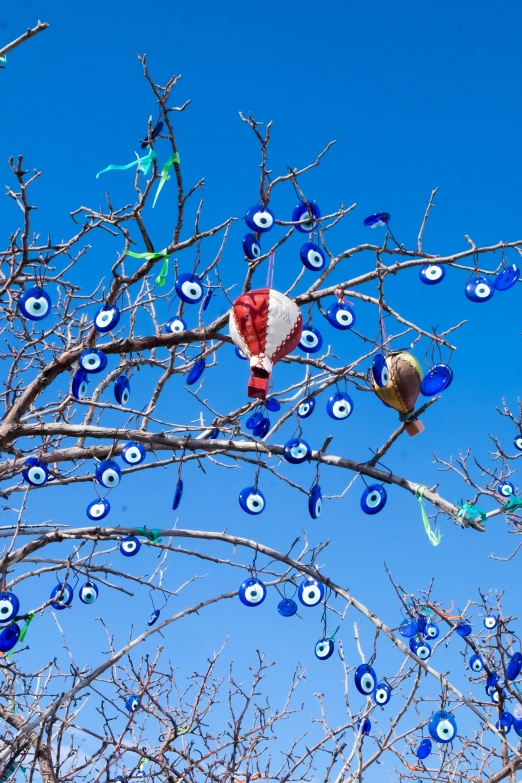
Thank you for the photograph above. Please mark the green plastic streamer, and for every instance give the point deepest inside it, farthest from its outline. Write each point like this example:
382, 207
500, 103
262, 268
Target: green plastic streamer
143, 164
143, 762
513, 503
165, 175
152, 535
161, 278
471, 513
434, 536
148, 256
23, 634
3, 60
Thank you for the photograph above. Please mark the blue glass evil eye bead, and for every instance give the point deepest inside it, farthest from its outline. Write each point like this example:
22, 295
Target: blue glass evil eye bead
296, 450
339, 406
259, 219
301, 215
240, 354
432, 631
476, 663
106, 318
92, 360
364, 726
195, 372
253, 420
108, 473
423, 749
518, 442
421, 649
35, 472
373, 499
490, 621
178, 493
479, 289
9, 637
133, 453
66, 594
207, 300
153, 617
130, 546
311, 340
505, 488
431, 274
507, 277
408, 628
132, 703
35, 304
442, 727
252, 592
79, 384
513, 668
463, 629
324, 649
251, 247
189, 288
98, 509
122, 390
272, 404
262, 428
312, 257
379, 219
287, 607
422, 623
341, 316
10, 606
306, 408
175, 325
380, 371
315, 502
311, 592
491, 682
382, 693
505, 719
252, 500
436, 380
365, 679
88, 593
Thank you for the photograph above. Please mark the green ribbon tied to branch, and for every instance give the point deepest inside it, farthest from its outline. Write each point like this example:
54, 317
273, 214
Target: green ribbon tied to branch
165, 175
152, 535
513, 503
434, 536
161, 278
143, 164
471, 513
142, 763
23, 633
3, 60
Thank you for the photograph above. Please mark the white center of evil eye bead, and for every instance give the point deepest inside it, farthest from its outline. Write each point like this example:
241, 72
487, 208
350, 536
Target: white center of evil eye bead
434, 272
315, 259
432, 632
125, 397
110, 478
423, 651
37, 475
6, 611
97, 510
385, 377
344, 317
129, 546
91, 361
88, 594
311, 594
66, 596
104, 318
323, 648
341, 409
263, 220
176, 326
367, 683
255, 249
490, 622
82, 391
255, 593
309, 339
482, 290
445, 730
305, 407
192, 290
37, 306
476, 666
318, 507
133, 455
381, 695
153, 617
255, 503
518, 443
299, 451
373, 499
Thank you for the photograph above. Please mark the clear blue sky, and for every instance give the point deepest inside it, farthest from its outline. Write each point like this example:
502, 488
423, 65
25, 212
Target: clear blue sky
418, 95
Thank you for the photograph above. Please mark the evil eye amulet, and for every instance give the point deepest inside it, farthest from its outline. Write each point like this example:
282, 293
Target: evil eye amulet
178, 494
253, 420
479, 289
189, 288
379, 219
108, 473
518, 443
324, 649
79, 384
175, 325
365, 679
432, 631
380, 372
132, 703
373, 499
463, 629
490, 621
240, 354
436, 380
261, 429
341, 316
505, 488
153, 617
513, 668
8, 639
207, 300
311, 592
339, 406
421, 649
106, 318
35, 304
476, 663
442, 727
92, 360
301, 215
10, 606
364, 726
259, 219
315, 502
252, 592
130, 546
66, 594
122, 390
296, 451
272, 404
252, 500
195, 372
88, 593
408, 628
507, 277
251, 247
424, 749
287, 607
382, 693
306, 408
35, 472
311, 340
312, 257
133, 453
98, 509
431, 274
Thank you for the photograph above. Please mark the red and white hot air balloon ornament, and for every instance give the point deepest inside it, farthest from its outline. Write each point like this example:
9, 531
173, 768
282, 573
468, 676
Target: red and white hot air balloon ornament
266, 325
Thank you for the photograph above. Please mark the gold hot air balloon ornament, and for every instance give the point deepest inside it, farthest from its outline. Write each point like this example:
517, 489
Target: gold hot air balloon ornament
396, 380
